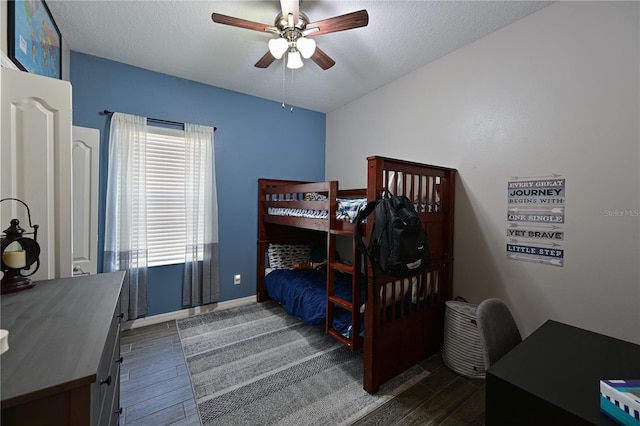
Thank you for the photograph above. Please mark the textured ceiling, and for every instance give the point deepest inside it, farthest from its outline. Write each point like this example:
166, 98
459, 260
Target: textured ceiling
179, 38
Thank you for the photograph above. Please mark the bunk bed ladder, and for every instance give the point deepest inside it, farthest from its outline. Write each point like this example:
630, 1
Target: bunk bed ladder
354, 341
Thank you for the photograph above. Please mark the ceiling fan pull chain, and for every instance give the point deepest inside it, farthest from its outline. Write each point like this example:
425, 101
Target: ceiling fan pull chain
291, 84
283, 77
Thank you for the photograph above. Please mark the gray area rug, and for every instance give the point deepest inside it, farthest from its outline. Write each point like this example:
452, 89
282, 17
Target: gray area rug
257, 365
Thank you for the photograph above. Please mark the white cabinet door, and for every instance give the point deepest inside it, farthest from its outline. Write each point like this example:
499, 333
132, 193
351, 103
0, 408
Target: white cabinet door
85, 157
35, 163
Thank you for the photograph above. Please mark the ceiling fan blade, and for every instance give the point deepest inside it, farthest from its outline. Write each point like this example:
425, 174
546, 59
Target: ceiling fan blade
340, 23
265, 61
322, 59
290, 7
241, 23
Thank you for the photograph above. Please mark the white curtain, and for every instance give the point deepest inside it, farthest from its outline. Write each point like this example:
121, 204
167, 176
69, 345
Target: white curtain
125, 222
201, 282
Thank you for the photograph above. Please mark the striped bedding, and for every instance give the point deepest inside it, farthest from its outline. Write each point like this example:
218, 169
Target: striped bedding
348, 209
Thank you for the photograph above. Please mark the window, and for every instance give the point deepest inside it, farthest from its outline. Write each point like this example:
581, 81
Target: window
149, 221
166, 196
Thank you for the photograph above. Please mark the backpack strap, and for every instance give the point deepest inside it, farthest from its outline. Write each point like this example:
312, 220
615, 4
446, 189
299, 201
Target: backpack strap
362, 214
374, 293
386, 193
357, 236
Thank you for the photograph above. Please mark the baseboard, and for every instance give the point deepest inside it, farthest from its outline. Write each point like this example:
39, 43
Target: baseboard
185, 313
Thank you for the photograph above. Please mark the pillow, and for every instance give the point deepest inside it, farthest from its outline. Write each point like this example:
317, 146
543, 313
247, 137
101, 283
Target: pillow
314, 196
284, 256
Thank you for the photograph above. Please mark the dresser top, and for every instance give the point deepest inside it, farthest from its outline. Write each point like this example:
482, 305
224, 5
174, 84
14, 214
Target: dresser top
57, 333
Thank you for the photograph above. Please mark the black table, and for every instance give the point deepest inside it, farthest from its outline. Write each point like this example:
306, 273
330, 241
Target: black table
553, 377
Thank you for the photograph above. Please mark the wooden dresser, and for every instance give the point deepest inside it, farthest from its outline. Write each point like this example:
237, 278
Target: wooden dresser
63, 362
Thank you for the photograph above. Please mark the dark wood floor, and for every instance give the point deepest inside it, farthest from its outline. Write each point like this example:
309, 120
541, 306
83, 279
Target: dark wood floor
156, 391
154, 382
442, 398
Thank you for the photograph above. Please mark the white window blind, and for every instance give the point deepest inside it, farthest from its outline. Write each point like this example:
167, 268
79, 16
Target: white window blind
166, 195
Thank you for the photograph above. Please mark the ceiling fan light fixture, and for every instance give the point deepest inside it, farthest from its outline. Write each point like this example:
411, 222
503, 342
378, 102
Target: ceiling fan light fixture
306, 47
277, 47
292, 28
294, 61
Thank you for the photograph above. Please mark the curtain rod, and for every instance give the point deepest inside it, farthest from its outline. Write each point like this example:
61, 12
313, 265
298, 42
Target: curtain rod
158, 120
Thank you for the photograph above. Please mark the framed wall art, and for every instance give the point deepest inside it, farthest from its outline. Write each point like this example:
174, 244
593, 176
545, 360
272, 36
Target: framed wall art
34, 41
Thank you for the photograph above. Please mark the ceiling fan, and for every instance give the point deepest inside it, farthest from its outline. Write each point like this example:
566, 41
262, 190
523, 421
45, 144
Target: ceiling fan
294, 31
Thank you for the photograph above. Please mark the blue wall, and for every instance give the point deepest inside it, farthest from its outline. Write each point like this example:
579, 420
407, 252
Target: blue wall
247, 147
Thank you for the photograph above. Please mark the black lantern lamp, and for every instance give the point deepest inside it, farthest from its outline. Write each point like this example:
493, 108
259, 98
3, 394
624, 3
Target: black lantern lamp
19, 253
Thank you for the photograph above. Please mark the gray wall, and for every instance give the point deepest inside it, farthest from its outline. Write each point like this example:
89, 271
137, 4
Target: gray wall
556, 92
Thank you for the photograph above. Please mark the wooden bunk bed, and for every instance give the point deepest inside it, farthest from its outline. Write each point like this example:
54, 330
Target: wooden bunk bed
403, 319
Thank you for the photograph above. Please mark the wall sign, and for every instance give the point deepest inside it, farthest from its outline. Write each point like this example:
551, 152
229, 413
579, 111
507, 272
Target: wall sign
535, 212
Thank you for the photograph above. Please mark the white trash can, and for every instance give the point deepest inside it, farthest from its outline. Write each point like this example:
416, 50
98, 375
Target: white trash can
462, 350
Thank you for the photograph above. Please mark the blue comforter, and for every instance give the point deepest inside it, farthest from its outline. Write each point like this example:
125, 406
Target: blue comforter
303, 293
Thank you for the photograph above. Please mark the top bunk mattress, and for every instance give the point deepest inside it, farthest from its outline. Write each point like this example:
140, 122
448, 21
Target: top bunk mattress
347, 209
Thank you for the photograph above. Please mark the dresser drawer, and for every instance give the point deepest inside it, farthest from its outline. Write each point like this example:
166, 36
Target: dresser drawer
108, 379
113, 406
109, 391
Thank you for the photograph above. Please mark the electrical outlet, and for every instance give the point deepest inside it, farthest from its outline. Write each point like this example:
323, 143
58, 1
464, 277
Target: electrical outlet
236, 279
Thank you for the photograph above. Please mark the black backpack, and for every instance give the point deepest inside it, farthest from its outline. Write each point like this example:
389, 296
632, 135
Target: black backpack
398, 243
